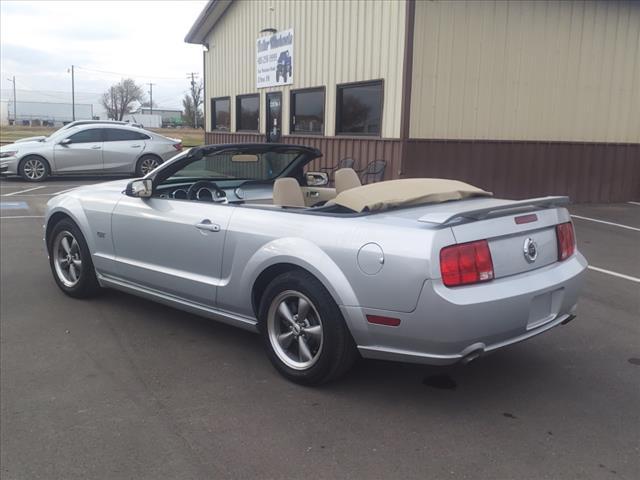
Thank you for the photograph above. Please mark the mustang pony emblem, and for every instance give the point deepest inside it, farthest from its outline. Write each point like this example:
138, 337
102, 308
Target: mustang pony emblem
530, 250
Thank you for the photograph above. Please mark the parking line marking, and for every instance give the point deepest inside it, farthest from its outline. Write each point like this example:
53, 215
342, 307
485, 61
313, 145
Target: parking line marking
22, 216
615, 274
23, 191
69, 189
634, 203
607, 223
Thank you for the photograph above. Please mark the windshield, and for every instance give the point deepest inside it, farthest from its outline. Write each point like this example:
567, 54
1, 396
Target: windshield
237, 166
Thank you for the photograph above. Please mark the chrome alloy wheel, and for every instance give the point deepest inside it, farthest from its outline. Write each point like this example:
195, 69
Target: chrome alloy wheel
295, 330
34, 169
148, 164
67, 258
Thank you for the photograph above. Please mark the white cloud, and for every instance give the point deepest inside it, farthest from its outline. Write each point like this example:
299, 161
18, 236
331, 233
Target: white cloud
144, 40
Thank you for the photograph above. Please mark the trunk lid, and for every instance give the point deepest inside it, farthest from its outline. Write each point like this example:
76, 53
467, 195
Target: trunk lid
521, 234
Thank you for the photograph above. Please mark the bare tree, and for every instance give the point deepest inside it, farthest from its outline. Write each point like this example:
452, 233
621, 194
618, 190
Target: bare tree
189, 114
121, 97
195, 94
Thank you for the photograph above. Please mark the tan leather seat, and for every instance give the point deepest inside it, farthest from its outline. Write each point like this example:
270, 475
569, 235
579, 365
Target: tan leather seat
287, 193
345, 179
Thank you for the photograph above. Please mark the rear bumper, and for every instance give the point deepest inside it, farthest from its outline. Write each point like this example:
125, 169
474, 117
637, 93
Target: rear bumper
451, 324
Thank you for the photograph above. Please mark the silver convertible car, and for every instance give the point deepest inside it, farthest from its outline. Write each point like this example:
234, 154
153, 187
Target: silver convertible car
92, 148
421, 270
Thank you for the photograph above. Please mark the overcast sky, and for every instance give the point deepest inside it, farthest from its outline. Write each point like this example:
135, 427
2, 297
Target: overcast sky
40, 40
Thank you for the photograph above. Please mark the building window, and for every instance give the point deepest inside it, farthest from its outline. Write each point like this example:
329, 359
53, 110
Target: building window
221, 114
307, 111
359, 108
248, 112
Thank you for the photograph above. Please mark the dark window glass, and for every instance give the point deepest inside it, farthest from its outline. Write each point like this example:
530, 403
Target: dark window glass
307, 111
236, 166
247, 112
117, 135
92, 135
221, 114
360, 109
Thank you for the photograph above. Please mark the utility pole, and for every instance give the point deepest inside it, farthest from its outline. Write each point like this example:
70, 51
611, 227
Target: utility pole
73, 95
193, 76
151, 97
13, 80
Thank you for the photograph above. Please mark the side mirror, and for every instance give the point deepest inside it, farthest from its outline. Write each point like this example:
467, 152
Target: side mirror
140, 188
317, 179
66, 141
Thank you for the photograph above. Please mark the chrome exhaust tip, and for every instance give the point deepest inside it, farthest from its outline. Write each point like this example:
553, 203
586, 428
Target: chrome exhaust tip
471, 356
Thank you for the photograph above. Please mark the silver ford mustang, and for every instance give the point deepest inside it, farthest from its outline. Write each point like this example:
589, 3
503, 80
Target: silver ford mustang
422, 270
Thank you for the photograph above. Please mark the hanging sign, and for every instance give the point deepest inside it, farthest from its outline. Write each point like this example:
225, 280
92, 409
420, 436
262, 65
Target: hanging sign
274, 59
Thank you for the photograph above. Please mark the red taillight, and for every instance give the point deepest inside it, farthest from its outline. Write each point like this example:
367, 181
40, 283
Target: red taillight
466, 263
177, 146
566, 240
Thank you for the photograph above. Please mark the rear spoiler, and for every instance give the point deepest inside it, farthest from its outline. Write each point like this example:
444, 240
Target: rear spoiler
443, 218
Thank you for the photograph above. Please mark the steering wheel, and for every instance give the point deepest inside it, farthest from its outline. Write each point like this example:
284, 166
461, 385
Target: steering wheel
219, 195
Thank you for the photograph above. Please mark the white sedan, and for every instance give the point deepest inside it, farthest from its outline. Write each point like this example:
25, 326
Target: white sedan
88, 149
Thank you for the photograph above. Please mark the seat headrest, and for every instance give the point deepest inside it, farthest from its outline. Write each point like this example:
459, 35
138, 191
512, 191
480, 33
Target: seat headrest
346, 179
287, 193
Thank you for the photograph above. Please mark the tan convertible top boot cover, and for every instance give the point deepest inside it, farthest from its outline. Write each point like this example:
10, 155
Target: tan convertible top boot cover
406, 192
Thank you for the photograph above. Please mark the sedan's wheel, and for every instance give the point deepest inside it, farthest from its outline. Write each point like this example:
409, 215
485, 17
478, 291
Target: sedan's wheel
146, 164
303, 330
34, 169
70, 260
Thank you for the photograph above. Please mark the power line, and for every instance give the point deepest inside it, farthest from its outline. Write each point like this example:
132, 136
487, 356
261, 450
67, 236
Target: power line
120, 74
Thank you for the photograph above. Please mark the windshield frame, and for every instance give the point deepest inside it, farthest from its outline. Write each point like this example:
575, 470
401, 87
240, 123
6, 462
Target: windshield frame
305, 156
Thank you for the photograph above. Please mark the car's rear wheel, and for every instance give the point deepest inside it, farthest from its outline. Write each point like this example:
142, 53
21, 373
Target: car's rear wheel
146, 163
70, 260
34, 169
303, 330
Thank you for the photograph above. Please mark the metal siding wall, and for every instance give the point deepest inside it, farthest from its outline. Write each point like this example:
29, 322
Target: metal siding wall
334, 42
527, 70
587, 172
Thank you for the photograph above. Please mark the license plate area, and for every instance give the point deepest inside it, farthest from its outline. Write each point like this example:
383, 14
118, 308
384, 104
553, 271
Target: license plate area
544, 308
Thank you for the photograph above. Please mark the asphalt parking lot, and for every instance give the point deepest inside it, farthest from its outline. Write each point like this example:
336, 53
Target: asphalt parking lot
119, 387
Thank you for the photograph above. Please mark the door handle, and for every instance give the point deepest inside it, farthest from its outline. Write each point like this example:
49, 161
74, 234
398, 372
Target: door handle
135, 146
207, 226
313, 194
96, 147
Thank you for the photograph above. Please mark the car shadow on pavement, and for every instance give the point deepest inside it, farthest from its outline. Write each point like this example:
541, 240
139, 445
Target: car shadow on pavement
511, 372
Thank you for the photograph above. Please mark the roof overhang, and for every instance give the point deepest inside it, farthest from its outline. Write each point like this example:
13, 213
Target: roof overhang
206, 21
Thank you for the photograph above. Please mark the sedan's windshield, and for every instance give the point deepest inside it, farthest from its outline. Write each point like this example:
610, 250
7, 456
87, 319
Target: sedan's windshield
236, 166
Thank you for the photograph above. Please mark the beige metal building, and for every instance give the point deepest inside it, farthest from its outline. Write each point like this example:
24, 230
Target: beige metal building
520, 97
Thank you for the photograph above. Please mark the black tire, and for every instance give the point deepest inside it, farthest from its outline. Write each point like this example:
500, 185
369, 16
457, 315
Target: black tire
337, 351
31, 166
141, 165
87, 284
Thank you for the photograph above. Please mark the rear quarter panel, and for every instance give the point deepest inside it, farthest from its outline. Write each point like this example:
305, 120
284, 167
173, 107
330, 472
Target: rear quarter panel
328, 247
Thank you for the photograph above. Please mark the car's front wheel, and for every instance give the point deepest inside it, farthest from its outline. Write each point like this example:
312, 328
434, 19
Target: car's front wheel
70, 260
303, 330
34, 169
